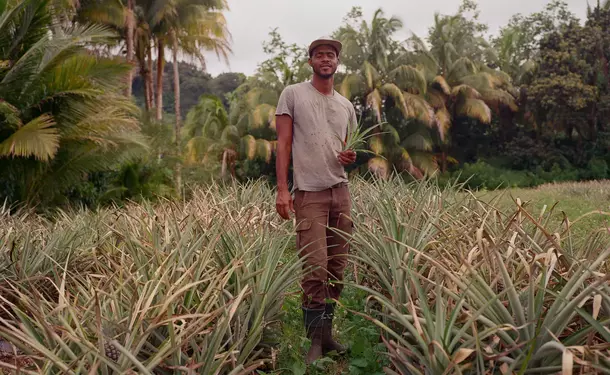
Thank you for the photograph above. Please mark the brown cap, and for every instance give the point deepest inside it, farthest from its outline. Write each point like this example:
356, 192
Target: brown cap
325, 41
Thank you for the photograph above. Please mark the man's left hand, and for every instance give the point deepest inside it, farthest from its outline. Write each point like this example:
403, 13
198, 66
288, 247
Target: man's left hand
347, 157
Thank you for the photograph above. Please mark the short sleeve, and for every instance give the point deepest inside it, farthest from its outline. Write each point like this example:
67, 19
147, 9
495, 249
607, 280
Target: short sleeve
285, 105
353, 120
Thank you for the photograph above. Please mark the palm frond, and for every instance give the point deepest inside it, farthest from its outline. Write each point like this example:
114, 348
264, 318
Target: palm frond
264, 150
418, 141
500, 78
28, 72
444, 120
423, 54
479, 81
476, 109
391, 134
436, 98
10, 115
230, 135
465, 91
425, 162
440, 83
379, 167
38, 138
371, 75
408, 77
351, 83
376, 145
374, 100
102, 12
248, 146
263, 115
460, 68
196, 149
420, 108
77, 159
499, 98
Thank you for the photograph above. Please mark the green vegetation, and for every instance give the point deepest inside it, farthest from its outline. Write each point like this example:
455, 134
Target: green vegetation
138, 232
514, 109
439, 281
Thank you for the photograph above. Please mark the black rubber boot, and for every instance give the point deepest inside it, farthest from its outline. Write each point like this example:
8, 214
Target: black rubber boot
313, 320
328, 344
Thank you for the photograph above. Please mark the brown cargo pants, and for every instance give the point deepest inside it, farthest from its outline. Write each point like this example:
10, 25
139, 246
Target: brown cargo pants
324, 250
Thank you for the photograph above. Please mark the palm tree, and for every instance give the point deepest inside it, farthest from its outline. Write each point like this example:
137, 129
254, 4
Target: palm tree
211, 140
62, 115
122, 17
457, 85
382, 82
509, 60
189, 27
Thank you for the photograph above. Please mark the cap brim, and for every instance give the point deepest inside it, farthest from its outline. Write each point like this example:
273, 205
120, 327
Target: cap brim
320, 42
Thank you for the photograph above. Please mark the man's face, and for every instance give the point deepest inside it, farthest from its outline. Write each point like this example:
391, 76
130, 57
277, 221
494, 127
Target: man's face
324, 61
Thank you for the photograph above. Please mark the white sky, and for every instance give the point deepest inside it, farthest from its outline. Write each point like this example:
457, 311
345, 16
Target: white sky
300, 21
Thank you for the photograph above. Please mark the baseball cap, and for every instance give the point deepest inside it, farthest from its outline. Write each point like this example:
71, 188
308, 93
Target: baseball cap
325, 40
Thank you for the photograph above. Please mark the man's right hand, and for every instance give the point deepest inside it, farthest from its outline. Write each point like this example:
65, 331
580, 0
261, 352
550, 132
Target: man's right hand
283, 204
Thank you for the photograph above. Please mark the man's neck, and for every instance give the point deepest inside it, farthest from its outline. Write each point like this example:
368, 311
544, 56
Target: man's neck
325, 86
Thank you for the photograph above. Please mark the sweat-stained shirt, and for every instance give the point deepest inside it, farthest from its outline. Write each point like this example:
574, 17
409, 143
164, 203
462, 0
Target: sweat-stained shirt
320, 123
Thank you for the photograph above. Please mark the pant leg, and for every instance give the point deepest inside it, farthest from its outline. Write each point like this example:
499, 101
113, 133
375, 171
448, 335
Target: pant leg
311, 211
338, 247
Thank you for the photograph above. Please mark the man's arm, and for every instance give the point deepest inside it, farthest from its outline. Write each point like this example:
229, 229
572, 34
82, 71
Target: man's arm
283, 125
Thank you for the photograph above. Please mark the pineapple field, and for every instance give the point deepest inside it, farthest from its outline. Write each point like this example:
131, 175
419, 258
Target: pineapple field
441, 281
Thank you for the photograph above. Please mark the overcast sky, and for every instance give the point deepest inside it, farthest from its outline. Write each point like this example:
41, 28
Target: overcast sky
300, 21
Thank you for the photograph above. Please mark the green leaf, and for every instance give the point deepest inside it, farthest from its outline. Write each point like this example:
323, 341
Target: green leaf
38, 138
359, 362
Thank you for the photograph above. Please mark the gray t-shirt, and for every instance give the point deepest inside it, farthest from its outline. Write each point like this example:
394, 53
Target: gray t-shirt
320, 123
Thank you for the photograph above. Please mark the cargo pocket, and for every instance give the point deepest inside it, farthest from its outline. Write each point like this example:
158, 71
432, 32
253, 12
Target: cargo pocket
302, 227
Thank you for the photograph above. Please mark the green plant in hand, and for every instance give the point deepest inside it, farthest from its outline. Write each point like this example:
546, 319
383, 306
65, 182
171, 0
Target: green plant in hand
357, 138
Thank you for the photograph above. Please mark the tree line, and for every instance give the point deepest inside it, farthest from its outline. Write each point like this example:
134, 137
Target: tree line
523, 107
520, 108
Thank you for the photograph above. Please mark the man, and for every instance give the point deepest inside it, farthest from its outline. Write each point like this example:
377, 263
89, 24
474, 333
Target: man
312, 121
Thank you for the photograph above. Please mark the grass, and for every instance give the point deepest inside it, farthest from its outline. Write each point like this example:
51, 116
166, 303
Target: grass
572, 199
447, 281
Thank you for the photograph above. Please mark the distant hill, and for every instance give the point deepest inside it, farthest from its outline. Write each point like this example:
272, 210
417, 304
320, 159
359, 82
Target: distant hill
193, 83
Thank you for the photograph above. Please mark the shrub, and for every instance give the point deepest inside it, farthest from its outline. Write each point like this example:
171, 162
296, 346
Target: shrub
481, 175
597, 169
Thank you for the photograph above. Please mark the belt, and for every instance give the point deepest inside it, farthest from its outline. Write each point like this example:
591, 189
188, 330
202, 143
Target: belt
336, 186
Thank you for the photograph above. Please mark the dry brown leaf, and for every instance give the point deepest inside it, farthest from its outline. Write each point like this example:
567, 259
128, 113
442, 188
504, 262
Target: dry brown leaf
597, 305
461, 355
567, 363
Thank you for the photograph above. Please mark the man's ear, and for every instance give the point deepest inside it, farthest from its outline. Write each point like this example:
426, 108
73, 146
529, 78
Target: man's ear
310, 62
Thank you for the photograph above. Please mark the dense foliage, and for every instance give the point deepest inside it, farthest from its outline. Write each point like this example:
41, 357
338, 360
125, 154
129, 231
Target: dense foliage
523, 107
519, 109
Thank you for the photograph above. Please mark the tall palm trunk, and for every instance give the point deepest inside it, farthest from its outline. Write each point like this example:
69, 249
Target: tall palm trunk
144, 73
150, 74
130, 31
177, 109
160, 67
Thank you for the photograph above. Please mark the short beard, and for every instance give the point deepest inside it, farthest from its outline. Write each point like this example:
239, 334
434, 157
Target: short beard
324, 76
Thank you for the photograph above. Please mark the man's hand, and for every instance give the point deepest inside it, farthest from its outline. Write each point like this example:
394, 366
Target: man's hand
347, 157
283, 204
